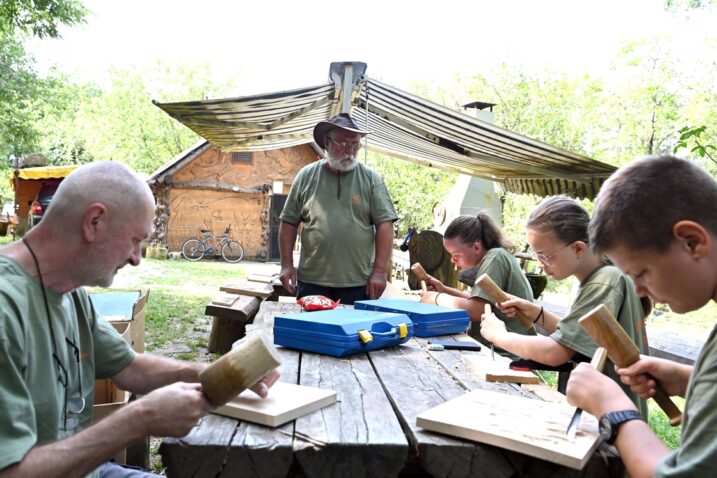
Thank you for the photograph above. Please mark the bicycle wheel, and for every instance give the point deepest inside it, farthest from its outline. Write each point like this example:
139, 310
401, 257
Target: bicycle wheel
192, 250
232, 251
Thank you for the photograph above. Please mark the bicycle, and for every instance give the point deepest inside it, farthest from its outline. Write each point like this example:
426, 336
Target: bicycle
230, 250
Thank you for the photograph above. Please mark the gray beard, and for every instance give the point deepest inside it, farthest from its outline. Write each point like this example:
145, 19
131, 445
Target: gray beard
344, 164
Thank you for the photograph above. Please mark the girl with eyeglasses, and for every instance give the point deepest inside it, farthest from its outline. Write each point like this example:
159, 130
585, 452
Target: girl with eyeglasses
557, 230
477, 241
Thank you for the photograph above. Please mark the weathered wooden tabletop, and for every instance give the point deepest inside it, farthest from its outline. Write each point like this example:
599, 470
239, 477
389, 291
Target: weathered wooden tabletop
371, 432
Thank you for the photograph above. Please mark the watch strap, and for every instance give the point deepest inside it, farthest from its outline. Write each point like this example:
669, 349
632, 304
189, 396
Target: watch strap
618, 418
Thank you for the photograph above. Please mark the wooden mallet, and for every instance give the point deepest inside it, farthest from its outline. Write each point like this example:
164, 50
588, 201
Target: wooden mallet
239, 369
607, 332
421, 275
498, 296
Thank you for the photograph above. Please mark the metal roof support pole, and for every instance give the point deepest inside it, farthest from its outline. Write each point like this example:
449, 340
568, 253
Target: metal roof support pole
347, 87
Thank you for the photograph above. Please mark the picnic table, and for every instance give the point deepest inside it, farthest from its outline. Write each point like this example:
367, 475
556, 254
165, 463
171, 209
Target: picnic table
371, 432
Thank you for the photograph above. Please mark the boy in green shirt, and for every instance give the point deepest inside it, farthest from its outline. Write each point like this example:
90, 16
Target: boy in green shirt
656, 219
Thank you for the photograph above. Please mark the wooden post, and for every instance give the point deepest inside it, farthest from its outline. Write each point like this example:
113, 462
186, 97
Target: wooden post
239, 369
623, 352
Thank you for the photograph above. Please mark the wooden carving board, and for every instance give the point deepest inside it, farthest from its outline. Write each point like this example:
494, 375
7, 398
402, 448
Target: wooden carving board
528, 426
498, 370
224, 299
254, 289
285, 402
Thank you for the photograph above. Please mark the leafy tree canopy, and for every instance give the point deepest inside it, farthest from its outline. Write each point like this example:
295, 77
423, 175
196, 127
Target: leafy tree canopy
40, 18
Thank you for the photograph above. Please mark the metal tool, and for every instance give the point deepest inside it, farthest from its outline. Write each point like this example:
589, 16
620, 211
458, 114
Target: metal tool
488, 311
608, 333
598, 363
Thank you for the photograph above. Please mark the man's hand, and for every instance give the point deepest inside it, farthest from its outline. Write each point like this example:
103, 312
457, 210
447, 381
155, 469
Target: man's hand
376, 285
595, 392
491, 327
288, 279
262, 387
173, 410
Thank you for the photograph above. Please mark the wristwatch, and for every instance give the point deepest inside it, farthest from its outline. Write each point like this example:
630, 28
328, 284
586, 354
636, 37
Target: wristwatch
610, 422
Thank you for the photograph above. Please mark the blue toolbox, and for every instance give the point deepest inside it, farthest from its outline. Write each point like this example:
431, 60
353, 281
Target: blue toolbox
429, 320
341, 332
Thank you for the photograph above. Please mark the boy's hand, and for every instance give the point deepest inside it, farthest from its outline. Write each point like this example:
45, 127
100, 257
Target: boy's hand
434, 284
671, 376
595, 392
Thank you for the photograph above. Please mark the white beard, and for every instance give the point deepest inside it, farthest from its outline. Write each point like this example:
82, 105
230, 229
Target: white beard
343, 164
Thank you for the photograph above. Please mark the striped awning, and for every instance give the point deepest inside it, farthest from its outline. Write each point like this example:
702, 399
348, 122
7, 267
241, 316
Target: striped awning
402, 125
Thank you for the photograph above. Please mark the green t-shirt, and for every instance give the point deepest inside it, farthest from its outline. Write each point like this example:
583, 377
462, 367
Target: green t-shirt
339, 212
31, 397
503, 268
697, 454
608, 286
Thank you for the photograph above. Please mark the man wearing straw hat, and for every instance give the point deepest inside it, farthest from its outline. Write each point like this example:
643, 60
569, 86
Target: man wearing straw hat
347, 217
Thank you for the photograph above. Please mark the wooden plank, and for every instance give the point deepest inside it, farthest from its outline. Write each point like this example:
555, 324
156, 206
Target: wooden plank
249, 450
416, 383
498, 370
225, 300
361, 435
285, 402
673, 347
254, 289
273, 280
530, 427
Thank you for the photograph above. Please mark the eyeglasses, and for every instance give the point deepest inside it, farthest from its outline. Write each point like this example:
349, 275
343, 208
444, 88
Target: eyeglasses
73, 407
548, 259
352, 146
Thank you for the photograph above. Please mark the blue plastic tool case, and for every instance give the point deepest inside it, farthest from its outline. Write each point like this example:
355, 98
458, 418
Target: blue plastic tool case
341, 332
429, 320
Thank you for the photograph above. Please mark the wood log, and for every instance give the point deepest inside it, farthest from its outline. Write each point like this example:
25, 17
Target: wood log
608, 333
497, 294
239, 369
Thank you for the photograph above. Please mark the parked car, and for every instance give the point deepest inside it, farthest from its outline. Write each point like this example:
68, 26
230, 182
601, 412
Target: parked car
44, 196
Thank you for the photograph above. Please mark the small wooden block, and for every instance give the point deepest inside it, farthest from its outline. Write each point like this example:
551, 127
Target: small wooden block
285, 402
521, 424
498, 370
225, 300
286, 299
254, 289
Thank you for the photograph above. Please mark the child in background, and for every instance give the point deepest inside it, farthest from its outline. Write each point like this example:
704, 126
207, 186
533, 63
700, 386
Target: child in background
477, 241
656, 219
557, 230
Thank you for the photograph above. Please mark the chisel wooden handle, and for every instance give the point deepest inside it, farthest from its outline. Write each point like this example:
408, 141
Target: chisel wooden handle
239, 369
419, 272
498, 296
623, 352
599, 359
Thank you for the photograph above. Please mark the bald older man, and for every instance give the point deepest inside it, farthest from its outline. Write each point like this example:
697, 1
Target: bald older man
53, 346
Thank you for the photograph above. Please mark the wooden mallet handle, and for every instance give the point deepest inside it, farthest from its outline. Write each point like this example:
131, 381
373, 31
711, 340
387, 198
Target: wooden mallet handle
623, 352
419, 272
498, 296
239, 369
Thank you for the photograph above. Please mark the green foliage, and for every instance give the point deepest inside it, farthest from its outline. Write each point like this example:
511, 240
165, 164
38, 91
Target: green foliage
414, 190
700, 148
40, 18
121, 123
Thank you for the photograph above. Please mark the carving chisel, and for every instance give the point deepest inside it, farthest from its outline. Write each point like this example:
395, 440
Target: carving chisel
598, 363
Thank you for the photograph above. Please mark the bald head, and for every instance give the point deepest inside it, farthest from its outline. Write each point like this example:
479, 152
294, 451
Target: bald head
112, 184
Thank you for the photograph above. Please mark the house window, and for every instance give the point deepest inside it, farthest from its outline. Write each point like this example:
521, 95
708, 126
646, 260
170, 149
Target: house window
243, 157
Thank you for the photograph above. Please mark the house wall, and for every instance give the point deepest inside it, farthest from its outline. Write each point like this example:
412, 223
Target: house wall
201, 194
